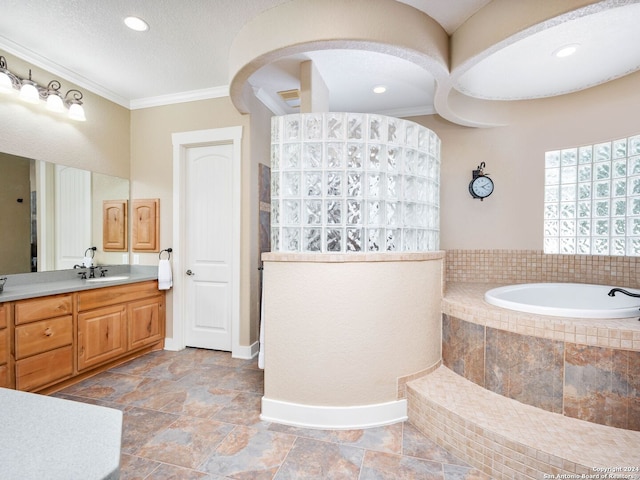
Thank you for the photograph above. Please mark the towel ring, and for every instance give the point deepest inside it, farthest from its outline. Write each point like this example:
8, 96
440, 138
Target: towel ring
93, 251
168, 250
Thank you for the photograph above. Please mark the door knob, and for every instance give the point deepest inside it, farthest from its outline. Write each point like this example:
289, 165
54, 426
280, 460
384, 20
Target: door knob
190, 273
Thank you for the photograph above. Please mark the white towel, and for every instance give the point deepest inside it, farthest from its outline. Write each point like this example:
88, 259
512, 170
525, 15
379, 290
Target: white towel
87, 262
165, 278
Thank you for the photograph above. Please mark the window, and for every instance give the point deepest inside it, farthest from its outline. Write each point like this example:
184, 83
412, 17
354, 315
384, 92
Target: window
592, 199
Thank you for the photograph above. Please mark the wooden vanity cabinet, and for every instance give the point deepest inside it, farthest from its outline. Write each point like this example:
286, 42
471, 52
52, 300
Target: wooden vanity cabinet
43, 341
5, 378
47, 343
115, 321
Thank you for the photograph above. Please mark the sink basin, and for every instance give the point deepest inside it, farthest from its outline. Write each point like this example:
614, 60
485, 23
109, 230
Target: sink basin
107, 279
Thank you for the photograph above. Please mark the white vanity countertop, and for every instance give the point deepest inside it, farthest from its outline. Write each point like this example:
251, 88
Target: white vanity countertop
19, 287
46, 437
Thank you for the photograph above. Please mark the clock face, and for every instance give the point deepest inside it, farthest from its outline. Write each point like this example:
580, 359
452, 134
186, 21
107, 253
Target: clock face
481, 187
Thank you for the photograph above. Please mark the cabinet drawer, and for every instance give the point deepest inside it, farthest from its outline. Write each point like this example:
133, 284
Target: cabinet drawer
102, 297
43, 369
145, 322
40, 308
3, 315
4, 347
102, 335
42, 336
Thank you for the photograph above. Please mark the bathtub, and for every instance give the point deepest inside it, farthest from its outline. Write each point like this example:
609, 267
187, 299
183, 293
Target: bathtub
565, 300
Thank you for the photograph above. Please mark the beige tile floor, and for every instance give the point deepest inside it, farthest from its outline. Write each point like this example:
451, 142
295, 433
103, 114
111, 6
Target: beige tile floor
194, 414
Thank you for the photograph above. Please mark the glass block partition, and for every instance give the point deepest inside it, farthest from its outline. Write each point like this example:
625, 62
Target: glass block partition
353, 182
592, 199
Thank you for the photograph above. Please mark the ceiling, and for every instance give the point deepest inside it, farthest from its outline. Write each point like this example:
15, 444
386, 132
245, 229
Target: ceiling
186, 50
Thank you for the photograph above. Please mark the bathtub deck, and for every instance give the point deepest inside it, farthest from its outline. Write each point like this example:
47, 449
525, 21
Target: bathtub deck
510, 440
466, 302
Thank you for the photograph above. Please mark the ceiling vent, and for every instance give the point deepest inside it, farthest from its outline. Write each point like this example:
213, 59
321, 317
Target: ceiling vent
290, 97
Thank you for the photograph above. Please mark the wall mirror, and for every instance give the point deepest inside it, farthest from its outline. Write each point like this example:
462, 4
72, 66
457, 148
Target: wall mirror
51, 214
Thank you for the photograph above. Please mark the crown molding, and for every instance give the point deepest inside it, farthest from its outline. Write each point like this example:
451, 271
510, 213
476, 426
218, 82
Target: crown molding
182, 97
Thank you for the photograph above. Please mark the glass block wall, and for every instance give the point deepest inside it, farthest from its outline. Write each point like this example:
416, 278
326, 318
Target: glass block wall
592, 199
353, 182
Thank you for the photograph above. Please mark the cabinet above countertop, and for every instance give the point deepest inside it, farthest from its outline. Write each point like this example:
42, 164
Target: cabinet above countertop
32, 285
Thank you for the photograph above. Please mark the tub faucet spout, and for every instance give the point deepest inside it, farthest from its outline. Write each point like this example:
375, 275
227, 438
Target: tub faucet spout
613, 291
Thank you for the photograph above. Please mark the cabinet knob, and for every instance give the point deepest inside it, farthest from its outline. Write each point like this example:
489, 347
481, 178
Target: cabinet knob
48, 332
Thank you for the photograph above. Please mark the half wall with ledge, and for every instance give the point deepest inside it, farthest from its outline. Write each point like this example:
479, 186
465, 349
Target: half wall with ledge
343, 331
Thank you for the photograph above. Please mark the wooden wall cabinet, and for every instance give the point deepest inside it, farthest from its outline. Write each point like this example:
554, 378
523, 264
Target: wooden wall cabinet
114, 225
145, 227
43, 341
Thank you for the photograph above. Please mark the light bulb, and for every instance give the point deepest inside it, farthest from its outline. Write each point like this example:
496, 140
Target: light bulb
29, 92
54, 103
76, 112
6, 85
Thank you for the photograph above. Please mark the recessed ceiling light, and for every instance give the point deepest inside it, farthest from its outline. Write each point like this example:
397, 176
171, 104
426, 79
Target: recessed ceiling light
379, 89
566, 50
137, 24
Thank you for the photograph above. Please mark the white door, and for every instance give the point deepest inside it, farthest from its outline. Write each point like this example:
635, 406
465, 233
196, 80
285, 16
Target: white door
208, 252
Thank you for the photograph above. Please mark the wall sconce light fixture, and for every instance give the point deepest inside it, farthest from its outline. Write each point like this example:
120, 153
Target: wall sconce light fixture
31, 92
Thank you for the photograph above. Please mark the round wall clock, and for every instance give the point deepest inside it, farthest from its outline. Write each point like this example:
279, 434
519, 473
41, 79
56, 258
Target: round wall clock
480, 186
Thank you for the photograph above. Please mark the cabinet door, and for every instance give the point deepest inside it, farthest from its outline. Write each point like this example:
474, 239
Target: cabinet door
4, 376
146, 322
102, 335
4, 346
44, 369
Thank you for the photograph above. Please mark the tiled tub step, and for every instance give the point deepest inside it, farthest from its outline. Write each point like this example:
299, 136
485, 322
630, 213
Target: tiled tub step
510, 440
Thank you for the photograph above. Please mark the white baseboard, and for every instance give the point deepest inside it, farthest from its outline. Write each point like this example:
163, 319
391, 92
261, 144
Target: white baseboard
334, 418
246, 353
172, 345
241, 351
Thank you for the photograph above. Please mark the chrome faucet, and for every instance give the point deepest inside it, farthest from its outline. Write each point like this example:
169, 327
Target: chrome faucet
613, 291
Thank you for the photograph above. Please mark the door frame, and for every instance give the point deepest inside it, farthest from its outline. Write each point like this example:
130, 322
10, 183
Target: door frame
181, 143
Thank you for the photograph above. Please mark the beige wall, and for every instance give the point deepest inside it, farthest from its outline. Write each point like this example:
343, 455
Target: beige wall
101, 144
511, 218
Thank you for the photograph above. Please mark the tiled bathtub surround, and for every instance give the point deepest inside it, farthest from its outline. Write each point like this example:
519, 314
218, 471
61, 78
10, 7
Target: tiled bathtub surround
596, 384
510, 440
530, 266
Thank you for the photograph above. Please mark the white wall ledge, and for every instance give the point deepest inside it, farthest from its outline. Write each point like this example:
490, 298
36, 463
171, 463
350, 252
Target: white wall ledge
353, 257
